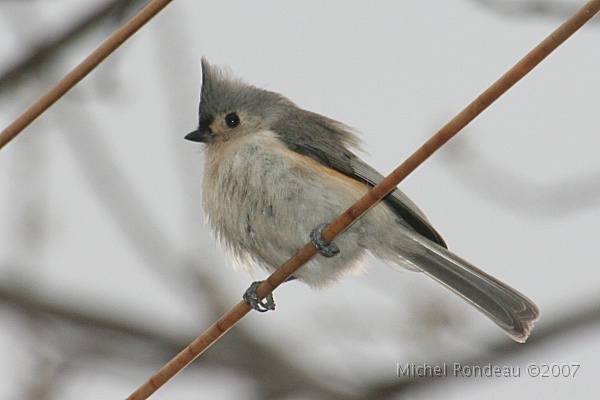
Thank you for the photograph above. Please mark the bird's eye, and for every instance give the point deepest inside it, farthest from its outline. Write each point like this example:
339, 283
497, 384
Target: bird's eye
232, 120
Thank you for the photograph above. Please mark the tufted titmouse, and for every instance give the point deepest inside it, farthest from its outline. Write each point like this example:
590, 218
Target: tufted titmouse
273, 172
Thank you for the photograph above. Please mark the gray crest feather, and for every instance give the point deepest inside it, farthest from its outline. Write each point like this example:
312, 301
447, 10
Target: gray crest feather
221, 92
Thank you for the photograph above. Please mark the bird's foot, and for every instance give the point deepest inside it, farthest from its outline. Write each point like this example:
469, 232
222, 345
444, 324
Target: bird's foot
264, 305
326, 249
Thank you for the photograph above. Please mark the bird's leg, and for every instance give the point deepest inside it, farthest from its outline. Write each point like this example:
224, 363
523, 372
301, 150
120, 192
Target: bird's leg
268, 303
250, 297
326, 249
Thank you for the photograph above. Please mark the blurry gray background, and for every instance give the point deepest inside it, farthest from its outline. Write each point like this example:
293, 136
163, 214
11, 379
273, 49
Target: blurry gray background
107, 268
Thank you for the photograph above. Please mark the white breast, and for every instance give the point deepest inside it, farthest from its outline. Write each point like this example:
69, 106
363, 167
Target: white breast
263, 200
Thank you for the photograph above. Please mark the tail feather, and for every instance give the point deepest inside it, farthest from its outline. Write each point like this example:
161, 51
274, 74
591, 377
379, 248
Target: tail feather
505, 306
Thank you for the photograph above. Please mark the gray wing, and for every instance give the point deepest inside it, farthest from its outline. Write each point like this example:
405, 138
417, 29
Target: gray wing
328, 148
398, 201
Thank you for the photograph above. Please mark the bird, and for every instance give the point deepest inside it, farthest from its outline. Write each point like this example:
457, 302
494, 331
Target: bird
275, 175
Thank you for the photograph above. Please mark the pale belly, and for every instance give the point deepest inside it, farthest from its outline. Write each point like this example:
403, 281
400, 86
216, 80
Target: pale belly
263, 201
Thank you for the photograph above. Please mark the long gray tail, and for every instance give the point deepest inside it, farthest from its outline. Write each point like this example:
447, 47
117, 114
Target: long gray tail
509, 309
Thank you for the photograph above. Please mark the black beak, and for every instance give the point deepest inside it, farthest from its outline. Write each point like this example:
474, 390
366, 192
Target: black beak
200, 135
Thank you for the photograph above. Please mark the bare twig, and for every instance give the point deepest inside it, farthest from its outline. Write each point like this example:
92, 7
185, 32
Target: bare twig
524, 66
558, 9
82, 70
104, 329
579, 318
46, 50
138, 345
519, 193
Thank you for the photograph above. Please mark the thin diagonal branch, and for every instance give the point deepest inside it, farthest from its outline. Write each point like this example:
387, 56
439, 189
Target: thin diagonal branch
42, 52
508, 80
82, 70
248, 355
258, 360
